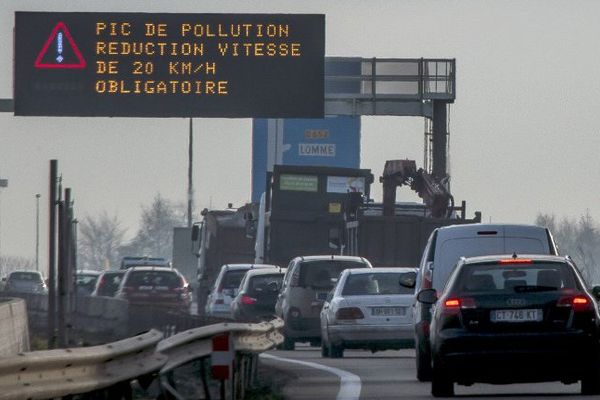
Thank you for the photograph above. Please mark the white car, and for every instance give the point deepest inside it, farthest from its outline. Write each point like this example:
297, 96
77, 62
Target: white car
369, 309
226, 287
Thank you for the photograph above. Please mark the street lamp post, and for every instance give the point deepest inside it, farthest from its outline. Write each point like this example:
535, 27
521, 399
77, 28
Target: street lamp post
37, 231
3, 184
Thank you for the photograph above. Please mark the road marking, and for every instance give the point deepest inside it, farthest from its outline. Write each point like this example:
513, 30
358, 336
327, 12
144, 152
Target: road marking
350, 384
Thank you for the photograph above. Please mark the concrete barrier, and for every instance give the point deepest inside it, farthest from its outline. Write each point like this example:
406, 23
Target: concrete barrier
14, 329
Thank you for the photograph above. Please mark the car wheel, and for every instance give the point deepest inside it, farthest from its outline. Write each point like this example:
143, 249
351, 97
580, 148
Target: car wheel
423, 361
336, 351
590, 384
288, 343
441, 384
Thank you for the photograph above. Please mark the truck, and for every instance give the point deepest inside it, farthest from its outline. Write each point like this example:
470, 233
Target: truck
312, 210
221, 237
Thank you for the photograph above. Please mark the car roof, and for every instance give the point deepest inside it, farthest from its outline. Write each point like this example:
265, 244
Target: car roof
534, 257
233, 267
151, 268
379, 270
21, 271
330, 257
266, 271
473, 228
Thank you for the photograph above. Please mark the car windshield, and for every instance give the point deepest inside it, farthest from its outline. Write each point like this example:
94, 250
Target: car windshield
25, 276
375, 284
319, 273
154, 278
516, 277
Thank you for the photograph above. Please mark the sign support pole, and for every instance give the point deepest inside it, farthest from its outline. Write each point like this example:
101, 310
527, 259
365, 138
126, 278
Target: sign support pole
190, 174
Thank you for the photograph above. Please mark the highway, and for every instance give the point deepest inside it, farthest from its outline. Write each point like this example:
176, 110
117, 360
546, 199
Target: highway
383, 375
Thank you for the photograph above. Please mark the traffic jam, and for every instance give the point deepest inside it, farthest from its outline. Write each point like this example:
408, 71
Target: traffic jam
364, 274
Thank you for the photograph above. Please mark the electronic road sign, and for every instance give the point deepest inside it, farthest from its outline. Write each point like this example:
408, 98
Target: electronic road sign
169, 65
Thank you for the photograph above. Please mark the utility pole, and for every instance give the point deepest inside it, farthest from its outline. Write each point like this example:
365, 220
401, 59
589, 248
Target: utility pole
52, 203
37, 231
3, 184
190, 171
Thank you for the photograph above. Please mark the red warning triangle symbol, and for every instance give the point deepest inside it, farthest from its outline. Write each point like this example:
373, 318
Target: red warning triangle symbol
58, 52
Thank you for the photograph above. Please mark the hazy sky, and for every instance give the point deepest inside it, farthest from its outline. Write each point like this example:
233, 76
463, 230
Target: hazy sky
524, 130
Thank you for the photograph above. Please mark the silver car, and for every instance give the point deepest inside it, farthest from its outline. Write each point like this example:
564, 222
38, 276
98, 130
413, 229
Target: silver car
226, 287
306, 285
26, 282
369, 309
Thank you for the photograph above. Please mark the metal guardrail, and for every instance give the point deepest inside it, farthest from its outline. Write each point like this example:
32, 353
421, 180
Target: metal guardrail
56, 373
196, 343
110, 367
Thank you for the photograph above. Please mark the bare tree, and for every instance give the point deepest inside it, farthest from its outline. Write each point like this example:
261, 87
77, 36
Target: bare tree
12, 263
155, 235
99, 241
579, 239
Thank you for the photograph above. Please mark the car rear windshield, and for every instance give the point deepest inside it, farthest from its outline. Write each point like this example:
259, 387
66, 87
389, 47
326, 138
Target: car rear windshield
154, 278
110, 283
260, 283
25, 276
319, 273
232, 279
375, 284
516, 277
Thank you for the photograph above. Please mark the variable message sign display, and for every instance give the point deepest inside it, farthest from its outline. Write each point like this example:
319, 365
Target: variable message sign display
169, 65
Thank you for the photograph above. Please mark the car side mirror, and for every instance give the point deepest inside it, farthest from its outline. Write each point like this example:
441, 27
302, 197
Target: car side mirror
596, 292
427, 296
408, 279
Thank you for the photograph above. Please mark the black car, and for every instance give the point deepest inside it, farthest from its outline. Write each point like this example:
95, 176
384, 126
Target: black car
503, 319
257, 295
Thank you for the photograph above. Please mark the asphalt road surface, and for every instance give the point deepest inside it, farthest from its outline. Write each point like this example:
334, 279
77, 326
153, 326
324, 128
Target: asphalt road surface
384, 375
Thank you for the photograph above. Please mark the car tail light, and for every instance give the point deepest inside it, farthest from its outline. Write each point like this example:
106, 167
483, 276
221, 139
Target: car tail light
349, 313
578, 302
453, 305
512, 261
247, 300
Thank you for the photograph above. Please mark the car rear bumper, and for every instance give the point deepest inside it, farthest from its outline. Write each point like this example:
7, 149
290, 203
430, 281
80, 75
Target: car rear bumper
370, 336
517, 357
